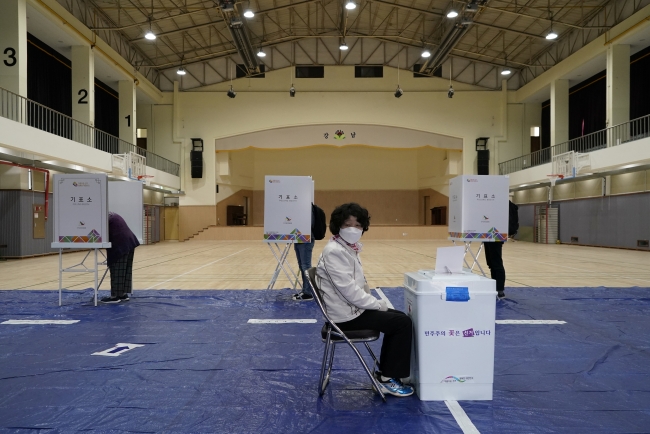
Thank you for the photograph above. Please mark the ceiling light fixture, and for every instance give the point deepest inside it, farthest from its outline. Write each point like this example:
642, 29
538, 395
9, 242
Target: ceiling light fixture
551, 35
506, 71
350, 5
452, 14
248, 13
343, 46
261, 53
150, 35
181, 71
426, 53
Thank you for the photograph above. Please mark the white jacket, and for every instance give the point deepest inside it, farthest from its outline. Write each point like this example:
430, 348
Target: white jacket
340, 276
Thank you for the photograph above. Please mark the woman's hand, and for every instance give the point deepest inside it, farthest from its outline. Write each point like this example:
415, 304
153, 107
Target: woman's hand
382, 305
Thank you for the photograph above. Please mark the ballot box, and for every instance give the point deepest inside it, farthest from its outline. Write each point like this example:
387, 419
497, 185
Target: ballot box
453, 317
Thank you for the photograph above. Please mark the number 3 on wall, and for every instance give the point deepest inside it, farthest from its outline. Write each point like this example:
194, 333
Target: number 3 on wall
11, 55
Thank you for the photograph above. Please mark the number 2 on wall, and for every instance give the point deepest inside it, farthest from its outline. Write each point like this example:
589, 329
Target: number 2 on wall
11, 54
128, 120
83, 93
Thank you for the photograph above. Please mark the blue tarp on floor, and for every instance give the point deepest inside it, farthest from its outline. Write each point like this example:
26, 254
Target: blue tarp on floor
203, 368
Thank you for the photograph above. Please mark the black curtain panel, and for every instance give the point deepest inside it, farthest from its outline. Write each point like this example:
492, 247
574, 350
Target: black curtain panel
107, 109
49, 82
640, 84
545, 129
588, 106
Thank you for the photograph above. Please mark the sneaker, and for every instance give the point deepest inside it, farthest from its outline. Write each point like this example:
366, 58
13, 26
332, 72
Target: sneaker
395, 387
125, 297
110, 300
501, 295
303, 296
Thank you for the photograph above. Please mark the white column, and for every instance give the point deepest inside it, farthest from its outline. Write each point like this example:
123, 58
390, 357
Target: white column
127, 111
83, 93
618, 90
13, 46
83, 84
559, 112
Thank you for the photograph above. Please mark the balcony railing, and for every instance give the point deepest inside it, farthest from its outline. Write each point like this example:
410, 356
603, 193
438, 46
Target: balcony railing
613, 136
28, 112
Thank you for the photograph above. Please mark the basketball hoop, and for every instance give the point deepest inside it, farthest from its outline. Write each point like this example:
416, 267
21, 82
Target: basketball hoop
145, 179
554, 178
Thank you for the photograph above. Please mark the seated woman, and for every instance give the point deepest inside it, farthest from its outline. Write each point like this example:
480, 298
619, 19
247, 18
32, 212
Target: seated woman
350, 305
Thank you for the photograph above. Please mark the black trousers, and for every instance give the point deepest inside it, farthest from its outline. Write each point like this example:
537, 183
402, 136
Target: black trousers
122, 275
395, 358
493, 252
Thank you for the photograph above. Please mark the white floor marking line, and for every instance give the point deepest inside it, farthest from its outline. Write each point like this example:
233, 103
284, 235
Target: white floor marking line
192, 271
529, 321
41, 321
461, 418
383, 296
117, 350
282, 321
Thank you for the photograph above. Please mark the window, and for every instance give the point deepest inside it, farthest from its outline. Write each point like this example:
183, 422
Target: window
534, 131
309, 71
368, 71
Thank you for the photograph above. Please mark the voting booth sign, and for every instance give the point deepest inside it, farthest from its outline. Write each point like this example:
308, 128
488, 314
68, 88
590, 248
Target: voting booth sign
287, 209
80, 211
478, 208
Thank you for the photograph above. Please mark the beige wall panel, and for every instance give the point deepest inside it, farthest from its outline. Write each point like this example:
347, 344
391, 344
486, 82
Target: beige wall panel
239, 199
564, 191
193, 219
629, 182
344, 168
162, 143
536, 195
171, 222
589, 188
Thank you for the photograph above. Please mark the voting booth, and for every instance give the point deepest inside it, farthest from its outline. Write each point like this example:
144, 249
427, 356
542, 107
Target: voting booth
80, 220
287, 218
478, 212
453, 316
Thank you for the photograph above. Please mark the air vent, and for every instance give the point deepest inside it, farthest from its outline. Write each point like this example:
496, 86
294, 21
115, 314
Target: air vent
417, 68
642, 243
574, 239
310, 71
241, 71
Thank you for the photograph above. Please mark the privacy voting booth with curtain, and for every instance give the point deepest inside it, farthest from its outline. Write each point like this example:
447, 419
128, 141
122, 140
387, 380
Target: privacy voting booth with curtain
287, 217
478, 211
80, 219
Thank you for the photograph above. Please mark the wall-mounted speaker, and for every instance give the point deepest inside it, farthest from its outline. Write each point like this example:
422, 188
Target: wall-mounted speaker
483, 163
196, 158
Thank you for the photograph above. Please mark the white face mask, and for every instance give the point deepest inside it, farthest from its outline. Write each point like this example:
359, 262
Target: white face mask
351, 235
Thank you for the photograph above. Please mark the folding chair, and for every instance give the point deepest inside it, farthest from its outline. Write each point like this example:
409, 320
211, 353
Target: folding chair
331, 335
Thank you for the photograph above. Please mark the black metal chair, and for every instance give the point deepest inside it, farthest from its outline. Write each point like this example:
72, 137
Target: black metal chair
331, 335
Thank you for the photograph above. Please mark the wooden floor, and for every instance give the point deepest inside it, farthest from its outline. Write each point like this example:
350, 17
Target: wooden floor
250, 264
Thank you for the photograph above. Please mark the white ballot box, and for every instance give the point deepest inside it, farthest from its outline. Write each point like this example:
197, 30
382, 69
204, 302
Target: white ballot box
453, 355
478, 207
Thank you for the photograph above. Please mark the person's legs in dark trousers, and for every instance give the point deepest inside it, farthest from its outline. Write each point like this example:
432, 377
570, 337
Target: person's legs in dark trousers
303, 255
122, 276
395, 358
493, 252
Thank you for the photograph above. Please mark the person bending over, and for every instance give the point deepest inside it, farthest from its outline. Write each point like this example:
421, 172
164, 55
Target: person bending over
350, 305
119, 258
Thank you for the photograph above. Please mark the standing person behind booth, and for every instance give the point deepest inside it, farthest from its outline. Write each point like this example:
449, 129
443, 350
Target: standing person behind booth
119, 258
494, 251
348, 302
304, 250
